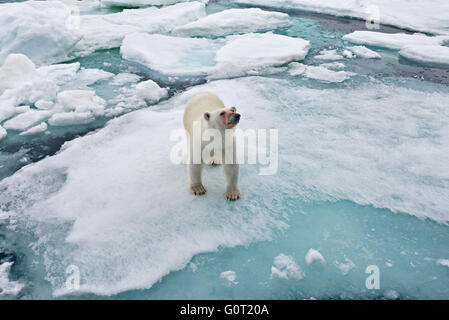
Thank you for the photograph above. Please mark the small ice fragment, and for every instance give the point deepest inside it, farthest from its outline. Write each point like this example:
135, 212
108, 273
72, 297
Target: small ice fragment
285, 267
71, 118
296, 68
230, 276
34, 130
313, 256
150, 91
364, 52
443, 262
8, 287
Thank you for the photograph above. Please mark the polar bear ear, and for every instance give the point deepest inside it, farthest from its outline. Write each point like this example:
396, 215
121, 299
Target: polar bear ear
234, 109
207, 116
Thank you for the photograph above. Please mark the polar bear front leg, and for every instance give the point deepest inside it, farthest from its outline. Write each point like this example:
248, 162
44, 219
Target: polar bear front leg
195, 185
232, 178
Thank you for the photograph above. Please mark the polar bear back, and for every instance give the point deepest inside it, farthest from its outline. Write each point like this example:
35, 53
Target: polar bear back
198, 106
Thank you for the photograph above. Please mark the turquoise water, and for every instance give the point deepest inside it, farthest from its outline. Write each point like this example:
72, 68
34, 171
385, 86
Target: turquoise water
349, 235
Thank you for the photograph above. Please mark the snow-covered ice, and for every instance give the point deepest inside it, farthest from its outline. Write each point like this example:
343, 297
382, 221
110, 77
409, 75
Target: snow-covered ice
230, 276
35, 130
394, 41
107, 31
140, 3
364, 52
234, 21
314, 256
320, 73
3, 132
221, 58
150, 91
426, 16
37, 29
8, 287
328, 55
71, 118
285, 267
427, 55
26, 120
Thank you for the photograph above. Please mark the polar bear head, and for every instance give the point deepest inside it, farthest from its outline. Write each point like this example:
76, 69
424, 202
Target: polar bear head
222, 118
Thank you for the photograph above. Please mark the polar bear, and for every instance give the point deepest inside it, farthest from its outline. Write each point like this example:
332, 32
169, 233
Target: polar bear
203, 112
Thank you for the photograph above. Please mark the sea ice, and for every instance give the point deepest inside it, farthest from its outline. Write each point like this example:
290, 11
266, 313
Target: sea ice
141, 3
37, 29
285, 267
233, 21
221, 58
230, 276
26, 120
427, 55
81, 101
3, 132
328, 55
34, 130
108, 31
364, 52
314, 256
8, 287
150, 91
71, 118
320, 73
393, 40
433, 17
443, 262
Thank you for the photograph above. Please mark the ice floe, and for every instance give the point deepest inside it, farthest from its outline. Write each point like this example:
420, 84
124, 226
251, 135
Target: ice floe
141, 3
393, 158
37, 29
443, 262
393, 40
220, 58
8, 287
35, 130
320, 73
364, 52
230, 276
427, 55
285, 267
108, 31
313, 256
26, 120
3, 132
433, 17
234, 21
150, 91
328, 55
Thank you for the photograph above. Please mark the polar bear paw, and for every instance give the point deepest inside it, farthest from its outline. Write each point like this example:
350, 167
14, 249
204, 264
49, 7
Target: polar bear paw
233, 195
197, 189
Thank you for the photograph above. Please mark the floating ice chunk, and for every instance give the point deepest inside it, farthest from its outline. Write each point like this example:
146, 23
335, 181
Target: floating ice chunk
323, 74
328, 55
432, 18
234, 21
296, 68
71, 118
230, 275
221, 58
285, 267
345, 267
16, 69
391, 294
81, 101
3, 133
347, 54
333, 65
90, 76
427, 55
393, 40
364, 52
35, 130
140, 3
108, 31
314, 256
443, 262
150, 91
26, 119
37, 29
44, 104
124, 78
7, 109
59, 73
8, 287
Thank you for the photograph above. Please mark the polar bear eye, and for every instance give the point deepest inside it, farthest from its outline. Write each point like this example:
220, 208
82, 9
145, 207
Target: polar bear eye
222, 113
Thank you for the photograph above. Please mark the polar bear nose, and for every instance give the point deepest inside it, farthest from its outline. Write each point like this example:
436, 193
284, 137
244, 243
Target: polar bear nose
237, 116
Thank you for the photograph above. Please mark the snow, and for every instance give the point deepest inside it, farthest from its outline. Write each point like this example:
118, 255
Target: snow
234, 21
364, 52
35, 130
443, 262
427, 55
37, 29
140, 3
394, 158
71, 118
285, 267
150, 91
81, 101
107, 31
313, 256
320, 73
8, 287
230, 276
433, 15
221, 58
26, 119
328, 55
3, 132
394, 41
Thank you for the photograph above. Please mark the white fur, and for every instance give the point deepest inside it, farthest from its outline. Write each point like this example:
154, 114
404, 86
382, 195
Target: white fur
195, 110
